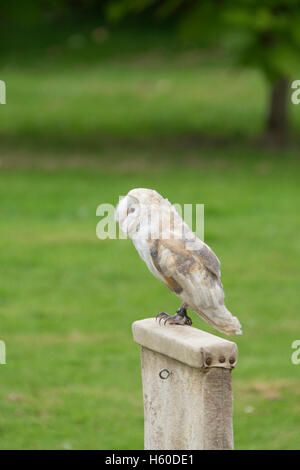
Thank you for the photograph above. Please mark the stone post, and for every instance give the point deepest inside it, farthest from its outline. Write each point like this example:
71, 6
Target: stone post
186, 376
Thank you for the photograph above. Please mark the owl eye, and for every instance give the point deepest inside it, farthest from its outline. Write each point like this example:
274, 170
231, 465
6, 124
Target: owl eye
132, 209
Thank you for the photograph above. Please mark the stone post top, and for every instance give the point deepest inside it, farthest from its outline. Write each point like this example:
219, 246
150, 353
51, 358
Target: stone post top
189, 345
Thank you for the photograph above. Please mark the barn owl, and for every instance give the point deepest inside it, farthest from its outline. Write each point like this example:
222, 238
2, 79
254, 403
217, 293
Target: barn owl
175, 256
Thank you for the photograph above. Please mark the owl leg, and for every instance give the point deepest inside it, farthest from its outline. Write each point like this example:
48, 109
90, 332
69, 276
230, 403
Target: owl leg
180, 318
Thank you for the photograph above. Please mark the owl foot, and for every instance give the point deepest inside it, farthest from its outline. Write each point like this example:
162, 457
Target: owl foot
180, 318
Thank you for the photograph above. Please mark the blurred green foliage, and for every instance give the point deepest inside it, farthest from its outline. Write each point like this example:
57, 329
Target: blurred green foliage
265, 35
258, 35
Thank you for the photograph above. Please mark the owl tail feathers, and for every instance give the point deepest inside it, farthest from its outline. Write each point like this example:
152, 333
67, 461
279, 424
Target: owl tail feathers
228, 324
223, 320
232, 328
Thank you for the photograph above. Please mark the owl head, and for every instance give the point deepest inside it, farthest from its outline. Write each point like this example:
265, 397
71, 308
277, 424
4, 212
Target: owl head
134, 207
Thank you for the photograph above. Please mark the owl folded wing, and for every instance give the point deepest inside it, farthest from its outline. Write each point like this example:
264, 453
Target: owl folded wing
194, 275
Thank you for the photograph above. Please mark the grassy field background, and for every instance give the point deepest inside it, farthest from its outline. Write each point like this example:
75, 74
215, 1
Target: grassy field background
77, 132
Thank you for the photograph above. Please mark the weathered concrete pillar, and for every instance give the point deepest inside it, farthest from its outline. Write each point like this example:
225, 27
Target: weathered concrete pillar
187, 391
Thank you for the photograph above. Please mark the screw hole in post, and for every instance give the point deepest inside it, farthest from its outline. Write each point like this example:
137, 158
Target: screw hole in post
164, 374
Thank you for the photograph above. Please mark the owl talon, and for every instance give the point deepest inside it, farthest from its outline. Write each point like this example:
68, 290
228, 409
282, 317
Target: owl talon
161, 316
177, 319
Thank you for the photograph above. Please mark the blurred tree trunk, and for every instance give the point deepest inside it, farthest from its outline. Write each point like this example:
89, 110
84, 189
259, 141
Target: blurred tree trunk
277, 123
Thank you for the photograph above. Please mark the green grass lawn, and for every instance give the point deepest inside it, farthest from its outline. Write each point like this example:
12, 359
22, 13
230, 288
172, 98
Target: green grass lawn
72, 138
68, 300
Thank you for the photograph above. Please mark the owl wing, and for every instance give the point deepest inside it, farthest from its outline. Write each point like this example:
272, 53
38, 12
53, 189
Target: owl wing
194, 275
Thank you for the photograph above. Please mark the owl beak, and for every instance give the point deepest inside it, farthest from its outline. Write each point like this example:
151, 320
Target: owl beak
122, 208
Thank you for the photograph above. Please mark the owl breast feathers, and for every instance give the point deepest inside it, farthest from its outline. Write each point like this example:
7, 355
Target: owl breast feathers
175, 256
